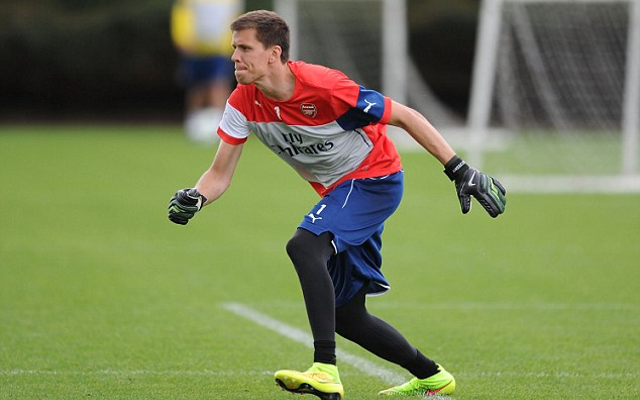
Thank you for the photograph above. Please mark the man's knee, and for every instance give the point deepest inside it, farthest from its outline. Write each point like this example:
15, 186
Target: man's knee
304, 245
297, 245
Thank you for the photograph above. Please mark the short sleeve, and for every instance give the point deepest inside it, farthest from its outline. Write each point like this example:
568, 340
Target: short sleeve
233, 128
362, 106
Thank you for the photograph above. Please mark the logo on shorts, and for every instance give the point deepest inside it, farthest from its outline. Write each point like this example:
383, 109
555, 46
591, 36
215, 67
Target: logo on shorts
309, 110
313, 218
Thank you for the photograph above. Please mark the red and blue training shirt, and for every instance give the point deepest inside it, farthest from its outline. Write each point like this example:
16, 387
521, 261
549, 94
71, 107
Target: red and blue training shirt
331, 129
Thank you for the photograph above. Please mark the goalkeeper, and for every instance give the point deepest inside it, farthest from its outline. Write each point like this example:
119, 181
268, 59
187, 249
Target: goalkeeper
333, 133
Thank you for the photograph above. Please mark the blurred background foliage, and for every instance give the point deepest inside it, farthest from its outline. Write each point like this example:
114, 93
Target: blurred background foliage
114, 59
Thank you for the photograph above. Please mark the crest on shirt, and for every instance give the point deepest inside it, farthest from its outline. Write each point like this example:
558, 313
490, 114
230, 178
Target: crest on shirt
309, 110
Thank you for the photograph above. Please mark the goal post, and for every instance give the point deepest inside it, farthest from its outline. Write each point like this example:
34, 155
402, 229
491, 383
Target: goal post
556, 83
631, 121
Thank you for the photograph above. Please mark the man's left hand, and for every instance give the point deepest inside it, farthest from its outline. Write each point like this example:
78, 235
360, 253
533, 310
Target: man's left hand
470, 182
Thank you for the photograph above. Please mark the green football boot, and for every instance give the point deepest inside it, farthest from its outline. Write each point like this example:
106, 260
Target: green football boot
320, 380
440, 383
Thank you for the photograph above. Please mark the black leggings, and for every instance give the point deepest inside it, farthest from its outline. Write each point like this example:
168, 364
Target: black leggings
352, 321
310, 254
355, 323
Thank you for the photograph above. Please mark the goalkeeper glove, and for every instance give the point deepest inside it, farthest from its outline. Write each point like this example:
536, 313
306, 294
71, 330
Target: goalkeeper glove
471, 182
184, 205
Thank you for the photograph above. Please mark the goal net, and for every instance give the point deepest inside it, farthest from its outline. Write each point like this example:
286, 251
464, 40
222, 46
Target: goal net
555, 101
368, 41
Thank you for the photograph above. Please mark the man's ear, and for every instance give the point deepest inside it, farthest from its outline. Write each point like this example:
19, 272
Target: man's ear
276, 51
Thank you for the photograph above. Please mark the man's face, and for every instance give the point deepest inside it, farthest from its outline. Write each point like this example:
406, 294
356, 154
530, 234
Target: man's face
250, 57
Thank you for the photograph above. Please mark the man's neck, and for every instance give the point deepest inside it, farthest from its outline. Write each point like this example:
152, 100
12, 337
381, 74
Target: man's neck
279, 85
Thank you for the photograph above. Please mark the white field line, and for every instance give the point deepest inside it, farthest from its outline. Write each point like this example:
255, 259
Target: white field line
299, 336
489, 306
517, 306
221, 373
359, 363
130, 372
392, 378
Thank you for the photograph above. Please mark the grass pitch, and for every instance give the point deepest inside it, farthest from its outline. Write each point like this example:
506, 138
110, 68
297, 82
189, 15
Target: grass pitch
102, 297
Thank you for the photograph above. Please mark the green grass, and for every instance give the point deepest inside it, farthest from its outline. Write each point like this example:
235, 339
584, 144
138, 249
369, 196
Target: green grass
539, 152
101, 297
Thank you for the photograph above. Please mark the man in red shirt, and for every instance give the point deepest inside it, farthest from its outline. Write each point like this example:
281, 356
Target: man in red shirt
333, 133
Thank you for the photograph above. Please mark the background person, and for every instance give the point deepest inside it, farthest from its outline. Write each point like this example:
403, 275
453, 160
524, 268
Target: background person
200, 32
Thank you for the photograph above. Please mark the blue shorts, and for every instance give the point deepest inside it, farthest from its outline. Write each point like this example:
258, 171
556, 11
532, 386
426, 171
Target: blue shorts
355, 212
197, 70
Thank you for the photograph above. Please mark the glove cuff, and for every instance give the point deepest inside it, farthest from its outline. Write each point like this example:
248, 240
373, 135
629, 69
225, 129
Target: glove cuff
455, 168
195, 194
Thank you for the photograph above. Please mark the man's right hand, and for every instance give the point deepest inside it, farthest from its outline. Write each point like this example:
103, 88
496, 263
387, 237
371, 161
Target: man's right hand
184, 205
